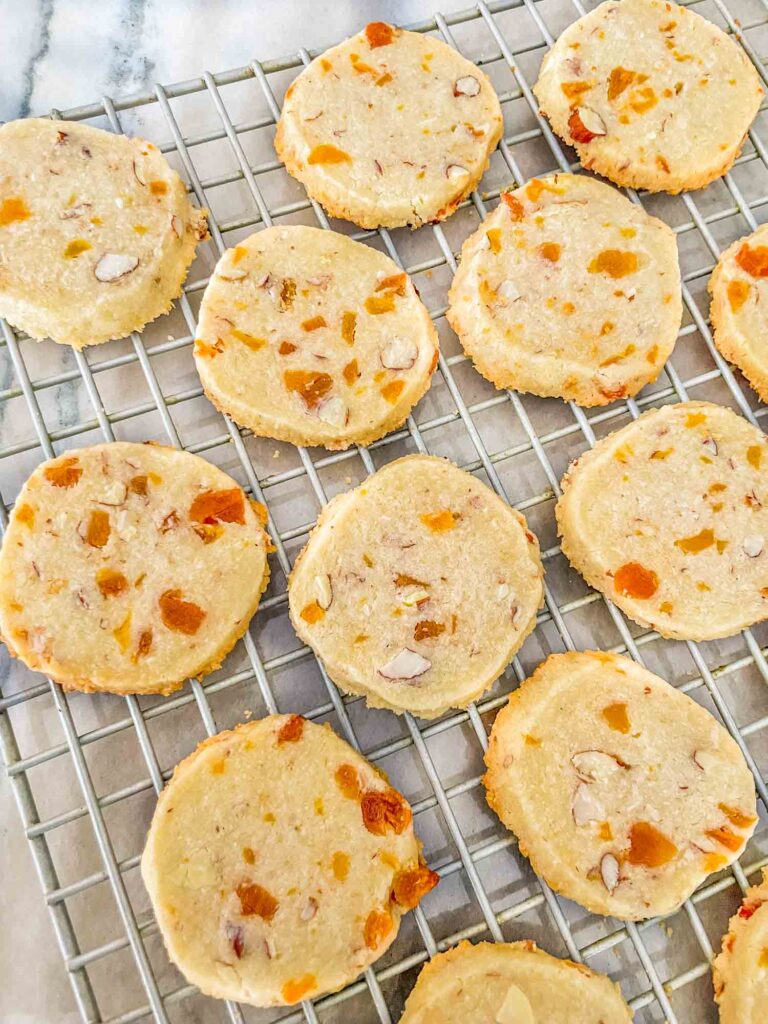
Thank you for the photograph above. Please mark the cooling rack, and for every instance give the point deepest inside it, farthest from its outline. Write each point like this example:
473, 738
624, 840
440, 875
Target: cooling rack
86, 769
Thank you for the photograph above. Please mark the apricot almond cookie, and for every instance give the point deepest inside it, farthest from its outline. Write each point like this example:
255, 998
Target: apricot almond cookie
623, 792
309, 337
389, 128
511, 983
738, 286
650, 94
96, 232
279, 863
740, 971
129, 568
568, 289
418, 587
668, 517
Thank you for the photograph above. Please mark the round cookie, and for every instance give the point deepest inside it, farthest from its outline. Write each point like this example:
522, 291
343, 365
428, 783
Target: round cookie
568, 289
623, 792
740, 971
96, 232
417, 588
511, 983
650, 94
668, 517
389, 128
309, 337
129, 568
738, 286
279, 863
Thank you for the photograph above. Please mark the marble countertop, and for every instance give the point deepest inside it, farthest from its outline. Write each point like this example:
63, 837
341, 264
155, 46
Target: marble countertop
61, 53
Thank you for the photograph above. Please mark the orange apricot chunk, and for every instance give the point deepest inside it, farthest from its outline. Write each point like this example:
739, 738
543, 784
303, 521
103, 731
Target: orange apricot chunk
439, 522
348, 781
698, 542
754, 261
494, 239
384, 811
616, 716
351, 372
312, 386
613, 262
286, 347
178, 615
725, 837
378, 304
98, 528
138, 485
76, 247
379, 33
633, 580
378, 925
513, 204
226, 506
348, 324
327, 154
312, 613
412, 884
249, 340
340, 865
144, 644
649, 848
294, 990
550, 251
572, 90
738, 293
110, 582
158, 187
427, 630
620, 79
737, 817
122, 633
256, 901
25, 514
65, 473
292, 730
287, 293
755, 455
313, 324
13, 209
392, 391
395, 283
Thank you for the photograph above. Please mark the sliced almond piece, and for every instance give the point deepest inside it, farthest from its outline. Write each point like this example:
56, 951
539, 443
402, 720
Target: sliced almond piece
113, 494
413, 597
502, 591
711, 445
594, 765
585, 124
609, 871
585, 806
706, 760
467, 85
309, 909
753, 545
406, 664
232, 275
112, 266
323, 591
455, 171
177, 226
515, 1009
138, 175
508, 290
334, 412
399, 354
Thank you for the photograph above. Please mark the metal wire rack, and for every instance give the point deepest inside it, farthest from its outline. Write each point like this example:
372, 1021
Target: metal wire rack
86, 769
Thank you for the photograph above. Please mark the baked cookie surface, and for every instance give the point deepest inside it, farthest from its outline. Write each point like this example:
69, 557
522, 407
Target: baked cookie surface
649, 94
668, 517
309, 337
623, 792
568, 289
740, 971
96, 232
129, 568
279, 862
739, 289
511, 983
416, 588
389, 128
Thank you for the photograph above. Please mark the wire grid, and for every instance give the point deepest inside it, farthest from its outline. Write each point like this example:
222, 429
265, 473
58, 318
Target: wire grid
86, 854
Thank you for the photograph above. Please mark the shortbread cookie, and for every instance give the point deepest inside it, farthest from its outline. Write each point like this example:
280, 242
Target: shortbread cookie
569, 290
279, 863
740, 971
416, 588
511, 983
623, 792
129, 568
309, 337
739, 288
389, 128
96, 232
650, 94
668, 517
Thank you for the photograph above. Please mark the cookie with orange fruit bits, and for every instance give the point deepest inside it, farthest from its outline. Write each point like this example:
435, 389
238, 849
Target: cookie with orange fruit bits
624, 793
740, 971
279, 863
668, 517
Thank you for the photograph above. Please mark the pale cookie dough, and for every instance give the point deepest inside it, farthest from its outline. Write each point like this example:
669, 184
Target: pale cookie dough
389, 128
309, 337
568, 290
623, 792
418, 587
740, 971
511, 983
650, 94
668, 518
739, 288
96, 232
129, 568
279, 863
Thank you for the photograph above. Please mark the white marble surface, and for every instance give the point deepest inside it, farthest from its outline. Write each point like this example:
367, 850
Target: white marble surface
64, 53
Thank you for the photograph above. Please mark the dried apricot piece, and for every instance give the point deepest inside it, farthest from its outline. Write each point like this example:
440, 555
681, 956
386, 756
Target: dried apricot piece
256, 901
737, 817
13, 209
249, 340
725, 837
439, 522
340, 865
550, 251
615, 263
698, 542
312, 386
287, 293
144, 644
25, 514
348, 325
392, 391
513, 204
378, 925
294, 990
572, 90
616, 716
649, 847
226, 506
110, 582
312, 613
348, 781
633, 580
122, 633
313, 324
76, 247
395, 282
379, 33
208, 532
755, 455
97, 529
738, 293
327, 154
754, 261
378, 304
286, 347
620, 79
427, 630
412, 884
138, 485
158, 187
351, 372
494, 239
65, 473
292, 730
384, 811
179, 615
